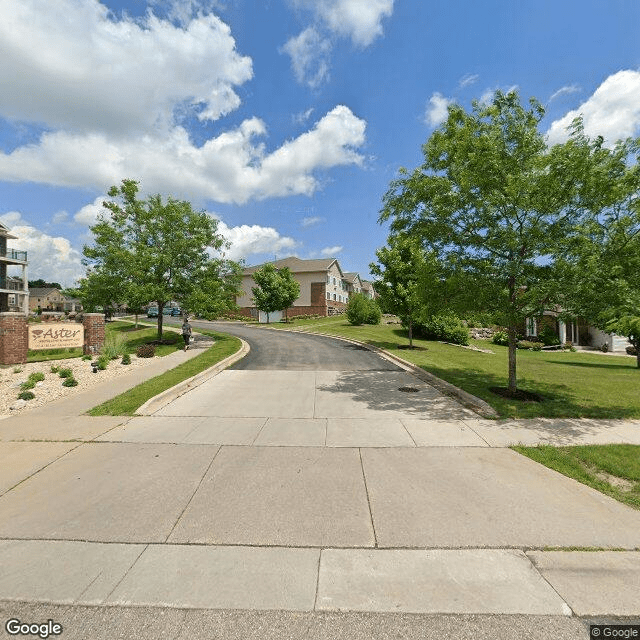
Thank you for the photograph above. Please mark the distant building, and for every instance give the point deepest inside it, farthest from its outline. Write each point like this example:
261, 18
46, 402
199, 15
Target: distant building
324, 288
51, 299
14, 291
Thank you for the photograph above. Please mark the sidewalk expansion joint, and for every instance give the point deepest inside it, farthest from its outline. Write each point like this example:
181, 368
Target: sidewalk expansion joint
364, 478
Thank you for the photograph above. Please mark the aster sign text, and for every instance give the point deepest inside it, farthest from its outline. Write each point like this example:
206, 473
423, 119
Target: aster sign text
57, 335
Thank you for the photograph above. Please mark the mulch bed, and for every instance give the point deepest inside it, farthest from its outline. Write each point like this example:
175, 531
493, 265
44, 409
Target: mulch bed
413, 348
520, 394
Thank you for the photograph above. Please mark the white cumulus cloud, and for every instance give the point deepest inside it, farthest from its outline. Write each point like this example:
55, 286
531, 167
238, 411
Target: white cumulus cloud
309, 53
613, 111
232, 167
311, 221
50, 257
436, 111
329, 252
360, 20
247, 240
70, 64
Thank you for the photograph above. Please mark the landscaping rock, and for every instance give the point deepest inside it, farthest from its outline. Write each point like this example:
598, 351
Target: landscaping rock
481, 333
17, 405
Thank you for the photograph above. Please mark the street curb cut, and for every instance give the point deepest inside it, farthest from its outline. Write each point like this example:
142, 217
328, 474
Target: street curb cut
157, 402
466, 399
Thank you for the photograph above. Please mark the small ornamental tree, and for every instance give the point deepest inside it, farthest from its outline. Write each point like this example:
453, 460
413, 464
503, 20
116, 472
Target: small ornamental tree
156, 250
276, 289
399, 272
362, 310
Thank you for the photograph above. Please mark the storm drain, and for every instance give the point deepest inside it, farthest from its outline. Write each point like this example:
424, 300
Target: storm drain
409, 389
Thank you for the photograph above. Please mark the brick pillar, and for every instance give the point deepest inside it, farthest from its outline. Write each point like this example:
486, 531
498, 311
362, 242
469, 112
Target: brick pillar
14, 338
93, 332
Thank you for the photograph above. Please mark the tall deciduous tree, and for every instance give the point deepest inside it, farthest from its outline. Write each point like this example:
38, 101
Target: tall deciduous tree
160, 251
491, 201
277, 289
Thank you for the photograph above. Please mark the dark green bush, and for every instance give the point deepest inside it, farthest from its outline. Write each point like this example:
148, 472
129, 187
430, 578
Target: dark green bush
548, 336
126, 359
70, 382
26, 395
363, 310
29, 384
445, 327
146, 351
54, 368
103, 361
65, 373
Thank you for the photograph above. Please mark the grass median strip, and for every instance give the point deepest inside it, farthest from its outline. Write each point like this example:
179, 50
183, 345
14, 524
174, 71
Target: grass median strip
612, 469
128, 402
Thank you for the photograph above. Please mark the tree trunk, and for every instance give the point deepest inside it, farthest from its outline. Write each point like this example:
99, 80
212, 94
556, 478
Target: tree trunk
410, 333
512, 358
267, 317
160, 314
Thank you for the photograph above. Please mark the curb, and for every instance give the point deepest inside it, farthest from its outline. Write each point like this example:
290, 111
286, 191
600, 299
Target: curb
466, 399
157, 402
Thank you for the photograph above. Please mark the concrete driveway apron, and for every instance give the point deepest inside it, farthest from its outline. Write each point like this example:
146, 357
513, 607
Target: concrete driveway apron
304, 478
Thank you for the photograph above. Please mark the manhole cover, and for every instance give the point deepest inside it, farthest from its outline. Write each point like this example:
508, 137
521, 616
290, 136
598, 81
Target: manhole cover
408, 389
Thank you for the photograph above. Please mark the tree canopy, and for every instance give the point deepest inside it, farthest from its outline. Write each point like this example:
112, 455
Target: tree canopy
276, 289
491, 202
159, 250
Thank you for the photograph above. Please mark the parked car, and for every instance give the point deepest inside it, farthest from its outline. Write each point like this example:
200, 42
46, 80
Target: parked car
152, 312
176, 311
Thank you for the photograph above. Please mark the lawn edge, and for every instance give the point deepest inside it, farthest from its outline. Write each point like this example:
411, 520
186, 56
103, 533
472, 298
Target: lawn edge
168, 395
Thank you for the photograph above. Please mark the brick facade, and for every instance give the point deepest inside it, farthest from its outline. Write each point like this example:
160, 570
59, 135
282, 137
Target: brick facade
14, 338
93, 332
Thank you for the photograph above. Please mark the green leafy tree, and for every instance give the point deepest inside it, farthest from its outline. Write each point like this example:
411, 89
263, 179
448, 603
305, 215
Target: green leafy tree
276, 289
44, 284
159, 251
490, 201
598, 269
400, 273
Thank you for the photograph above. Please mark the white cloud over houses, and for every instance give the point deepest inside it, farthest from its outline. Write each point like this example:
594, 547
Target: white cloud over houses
110, 94
613, 111
247, 240
436, 110
50, 257
330, 252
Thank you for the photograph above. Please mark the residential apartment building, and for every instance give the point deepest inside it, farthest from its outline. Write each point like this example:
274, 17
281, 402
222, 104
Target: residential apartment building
324, 287
14, 291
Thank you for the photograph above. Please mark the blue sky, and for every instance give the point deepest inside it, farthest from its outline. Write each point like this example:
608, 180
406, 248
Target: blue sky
285, 119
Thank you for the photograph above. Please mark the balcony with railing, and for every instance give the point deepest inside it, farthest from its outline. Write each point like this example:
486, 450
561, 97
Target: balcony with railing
12, 284
14, 255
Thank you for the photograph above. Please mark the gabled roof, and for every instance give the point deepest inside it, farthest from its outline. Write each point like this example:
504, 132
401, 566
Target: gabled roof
296, 265
367, 285
351, 276
43, 293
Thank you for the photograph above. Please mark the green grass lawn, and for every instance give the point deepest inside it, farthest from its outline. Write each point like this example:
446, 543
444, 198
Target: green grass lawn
172, 341
613, 469
573, 384
53, 354
127, 403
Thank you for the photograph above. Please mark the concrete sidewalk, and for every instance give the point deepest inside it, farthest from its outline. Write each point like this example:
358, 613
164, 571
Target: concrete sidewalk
312, 492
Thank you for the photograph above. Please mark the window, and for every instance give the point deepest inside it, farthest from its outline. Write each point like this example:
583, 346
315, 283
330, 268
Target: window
328, 279
328, 296
334, 296
334, 282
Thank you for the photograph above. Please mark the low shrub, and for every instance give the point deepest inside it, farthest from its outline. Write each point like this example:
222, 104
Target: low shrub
103, 361
36, 376
86, 357
146, 351
65, 373
500, 337
605, 347
17, 369
54, 368
26, 395
114, 345
70, 382
126, 359
445, 327
528, 344
363, 310
29, 384
631, 350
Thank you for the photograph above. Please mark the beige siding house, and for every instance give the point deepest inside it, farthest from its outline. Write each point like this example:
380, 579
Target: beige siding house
324, 287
